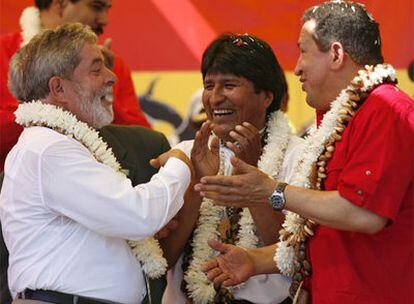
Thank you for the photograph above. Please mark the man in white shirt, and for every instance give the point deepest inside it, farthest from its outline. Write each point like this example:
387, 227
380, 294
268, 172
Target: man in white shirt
66, 207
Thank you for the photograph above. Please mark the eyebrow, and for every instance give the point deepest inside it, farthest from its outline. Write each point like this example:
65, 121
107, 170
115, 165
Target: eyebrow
96, 61
102, 3
223, 79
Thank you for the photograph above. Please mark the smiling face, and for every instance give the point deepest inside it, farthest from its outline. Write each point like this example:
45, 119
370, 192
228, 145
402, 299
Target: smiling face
89, 92
313, 68
89, 12
230, 100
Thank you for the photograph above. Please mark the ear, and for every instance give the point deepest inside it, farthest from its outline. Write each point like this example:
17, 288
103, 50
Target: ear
57, 89
337, 55
268, 98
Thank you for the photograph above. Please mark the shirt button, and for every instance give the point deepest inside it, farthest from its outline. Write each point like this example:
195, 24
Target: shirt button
368, 172
359, 192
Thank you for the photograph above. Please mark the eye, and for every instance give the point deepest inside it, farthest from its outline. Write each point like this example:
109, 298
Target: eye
97, 70
208, 86
98, 7
229, 85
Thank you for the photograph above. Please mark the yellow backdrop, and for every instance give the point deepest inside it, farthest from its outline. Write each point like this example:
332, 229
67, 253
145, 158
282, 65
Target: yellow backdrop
176, 89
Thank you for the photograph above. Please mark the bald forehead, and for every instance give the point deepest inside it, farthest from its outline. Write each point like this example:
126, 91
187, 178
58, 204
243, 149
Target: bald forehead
307, 32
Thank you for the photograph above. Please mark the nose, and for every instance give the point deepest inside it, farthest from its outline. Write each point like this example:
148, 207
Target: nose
298, 68
103, 18
217, 96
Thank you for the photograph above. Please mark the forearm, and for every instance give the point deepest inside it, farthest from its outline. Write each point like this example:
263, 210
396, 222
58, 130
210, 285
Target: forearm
267, 222
252, 188
328, 208
174, 244
262, 259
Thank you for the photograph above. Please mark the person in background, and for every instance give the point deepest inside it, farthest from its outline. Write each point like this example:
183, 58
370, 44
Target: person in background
49, 14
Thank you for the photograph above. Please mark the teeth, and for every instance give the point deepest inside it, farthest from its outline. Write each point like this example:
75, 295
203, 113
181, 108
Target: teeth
222, 112
109, 97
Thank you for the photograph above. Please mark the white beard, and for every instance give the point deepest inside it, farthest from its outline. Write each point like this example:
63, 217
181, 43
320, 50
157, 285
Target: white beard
97, 112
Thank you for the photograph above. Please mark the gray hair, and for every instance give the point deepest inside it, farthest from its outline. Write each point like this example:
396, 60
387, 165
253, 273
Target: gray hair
53, 52
350, 24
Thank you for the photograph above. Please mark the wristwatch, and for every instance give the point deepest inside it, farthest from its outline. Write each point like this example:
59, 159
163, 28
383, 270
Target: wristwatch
277, 199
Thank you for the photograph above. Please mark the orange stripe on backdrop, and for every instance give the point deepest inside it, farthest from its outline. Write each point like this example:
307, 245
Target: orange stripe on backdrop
188, 23
276, 21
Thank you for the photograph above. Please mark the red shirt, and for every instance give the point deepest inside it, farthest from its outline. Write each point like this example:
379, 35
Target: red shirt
372, 167
126, 108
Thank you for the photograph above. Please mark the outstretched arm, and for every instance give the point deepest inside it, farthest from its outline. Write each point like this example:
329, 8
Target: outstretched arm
235, 265
253, 187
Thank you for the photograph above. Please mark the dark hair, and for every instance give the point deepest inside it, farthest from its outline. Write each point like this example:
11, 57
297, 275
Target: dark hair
350, 24
44, 4
249, 57
411, 70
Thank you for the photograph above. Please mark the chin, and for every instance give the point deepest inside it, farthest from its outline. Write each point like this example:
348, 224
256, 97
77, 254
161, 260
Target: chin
311, 103
102, 121
222, 132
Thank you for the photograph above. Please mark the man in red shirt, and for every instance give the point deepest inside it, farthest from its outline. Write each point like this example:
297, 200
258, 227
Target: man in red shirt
349, 238
51, 13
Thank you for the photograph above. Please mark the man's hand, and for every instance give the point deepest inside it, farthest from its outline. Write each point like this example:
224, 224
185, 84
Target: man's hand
167, 229
205, 159
163, 158
233, 266
248, 187
246, 145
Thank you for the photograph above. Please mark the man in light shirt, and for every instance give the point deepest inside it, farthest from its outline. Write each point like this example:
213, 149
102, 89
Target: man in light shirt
243, 90
66, 208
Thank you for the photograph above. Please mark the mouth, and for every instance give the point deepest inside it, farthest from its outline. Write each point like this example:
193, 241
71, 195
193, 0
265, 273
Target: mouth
303, 84
107, 98
98, 30
222, 112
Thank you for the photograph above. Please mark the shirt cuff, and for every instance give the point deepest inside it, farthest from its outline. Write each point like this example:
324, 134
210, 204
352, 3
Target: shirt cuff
177, 167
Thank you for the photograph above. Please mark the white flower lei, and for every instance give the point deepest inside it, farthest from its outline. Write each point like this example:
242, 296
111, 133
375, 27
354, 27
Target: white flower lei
30, 24
315, 144
36, 113
200, 289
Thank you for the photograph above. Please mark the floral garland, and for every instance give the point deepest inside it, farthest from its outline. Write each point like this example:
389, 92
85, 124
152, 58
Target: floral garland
318, 149
36, 113
30, 24
200, 289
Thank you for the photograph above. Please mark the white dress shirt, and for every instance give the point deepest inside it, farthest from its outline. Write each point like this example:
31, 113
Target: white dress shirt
65, 218
260, 289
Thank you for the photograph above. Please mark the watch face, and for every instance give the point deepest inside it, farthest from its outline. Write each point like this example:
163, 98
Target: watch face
277, 201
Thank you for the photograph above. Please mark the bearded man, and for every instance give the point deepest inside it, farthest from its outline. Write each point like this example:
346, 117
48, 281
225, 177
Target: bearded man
66, 207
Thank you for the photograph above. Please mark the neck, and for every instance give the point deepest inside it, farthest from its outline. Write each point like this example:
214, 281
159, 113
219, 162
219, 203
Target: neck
49, 19
349, 72
340, 80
